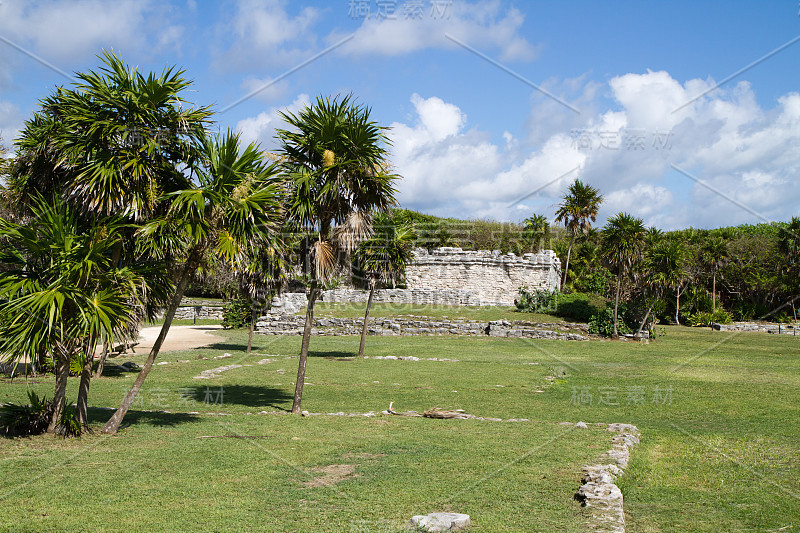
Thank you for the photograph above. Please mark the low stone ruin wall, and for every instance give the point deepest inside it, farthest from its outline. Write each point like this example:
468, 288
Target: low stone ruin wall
406, 296
782, 329
293, 325
209, 312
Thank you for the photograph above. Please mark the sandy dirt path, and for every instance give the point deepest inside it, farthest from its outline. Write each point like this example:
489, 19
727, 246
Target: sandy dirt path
178, 338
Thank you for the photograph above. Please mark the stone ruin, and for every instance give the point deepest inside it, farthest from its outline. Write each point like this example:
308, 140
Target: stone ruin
452, 276
492, 277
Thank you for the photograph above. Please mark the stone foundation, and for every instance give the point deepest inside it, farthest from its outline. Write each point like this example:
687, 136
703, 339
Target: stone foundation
293, 325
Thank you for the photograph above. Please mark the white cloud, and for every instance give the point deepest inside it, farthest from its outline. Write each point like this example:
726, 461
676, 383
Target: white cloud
265, 33
724, 139
11, 122
62, 32
483, 24
261, 128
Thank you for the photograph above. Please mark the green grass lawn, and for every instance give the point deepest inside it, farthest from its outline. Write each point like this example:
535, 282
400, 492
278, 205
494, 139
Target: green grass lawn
718, 414
484, 314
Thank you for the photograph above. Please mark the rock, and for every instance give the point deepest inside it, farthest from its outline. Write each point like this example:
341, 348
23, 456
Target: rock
441, 521
581, 425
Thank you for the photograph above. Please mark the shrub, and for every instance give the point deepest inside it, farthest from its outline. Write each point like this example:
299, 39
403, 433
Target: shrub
536, 301
602, 323
706, 318
236, 314
575, 306
19, 420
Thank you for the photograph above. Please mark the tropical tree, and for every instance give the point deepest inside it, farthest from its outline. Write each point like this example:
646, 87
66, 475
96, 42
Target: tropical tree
577, 211
235, 205
623, 237
335, 157
61, 293
113, 145
789, 245
714, 251
537, 230
262, 276
382, 258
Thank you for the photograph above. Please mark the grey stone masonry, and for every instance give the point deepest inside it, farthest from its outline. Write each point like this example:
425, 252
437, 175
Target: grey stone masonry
492, 278
272, 324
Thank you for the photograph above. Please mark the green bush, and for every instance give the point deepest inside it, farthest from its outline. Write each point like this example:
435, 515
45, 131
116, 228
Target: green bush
575, 306
19, 420
602, 323
578, 306
236, 314
536, 301
706, 318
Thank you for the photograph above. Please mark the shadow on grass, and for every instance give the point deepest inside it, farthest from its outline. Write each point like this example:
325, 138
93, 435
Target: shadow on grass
152, 418
247, 395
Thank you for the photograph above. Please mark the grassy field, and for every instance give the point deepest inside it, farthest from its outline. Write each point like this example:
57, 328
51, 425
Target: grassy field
718, 414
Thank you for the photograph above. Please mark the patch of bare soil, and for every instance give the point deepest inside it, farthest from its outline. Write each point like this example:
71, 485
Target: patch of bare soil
330, 475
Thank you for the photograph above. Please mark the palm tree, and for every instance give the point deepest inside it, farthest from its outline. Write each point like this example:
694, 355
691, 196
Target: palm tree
577, 211
383, 258
537, 230
61, 293
715, 251
113, 144
335, 157
235, 205
623, 237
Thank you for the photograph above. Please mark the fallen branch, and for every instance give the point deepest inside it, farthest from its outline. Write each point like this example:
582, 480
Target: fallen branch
234, 436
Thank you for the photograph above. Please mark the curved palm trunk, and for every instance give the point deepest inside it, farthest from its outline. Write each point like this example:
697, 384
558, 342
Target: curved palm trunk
112, 426
102, 362
615, 334
253, 317
677, 305
647, 314
301, 367
82, 415
60, 394
566, 267
366, 318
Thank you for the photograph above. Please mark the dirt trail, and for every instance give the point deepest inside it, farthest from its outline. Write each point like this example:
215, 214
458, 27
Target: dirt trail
178, 338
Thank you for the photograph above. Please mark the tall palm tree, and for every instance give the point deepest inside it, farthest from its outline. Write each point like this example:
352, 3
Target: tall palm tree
537, 230
113, 144
715, 251
383, 258
336, 158
623, 237
235, 205
577, 211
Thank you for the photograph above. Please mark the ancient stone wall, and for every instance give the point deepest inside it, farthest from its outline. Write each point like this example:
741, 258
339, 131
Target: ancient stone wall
491, 277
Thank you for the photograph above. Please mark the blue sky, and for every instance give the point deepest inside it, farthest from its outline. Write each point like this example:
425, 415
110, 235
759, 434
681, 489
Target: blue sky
495, 106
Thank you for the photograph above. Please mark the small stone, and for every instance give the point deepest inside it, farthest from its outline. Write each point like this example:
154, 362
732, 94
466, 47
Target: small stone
435, 522
303, 413
581, 425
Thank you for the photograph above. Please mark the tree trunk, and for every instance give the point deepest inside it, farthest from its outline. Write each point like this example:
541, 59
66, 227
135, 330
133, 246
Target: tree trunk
714, 291
366, 318
566, 267
60, 394
103, 356
82, 414
615, 334
192, 262
301, 367
253, 316
647, 314
677, 306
